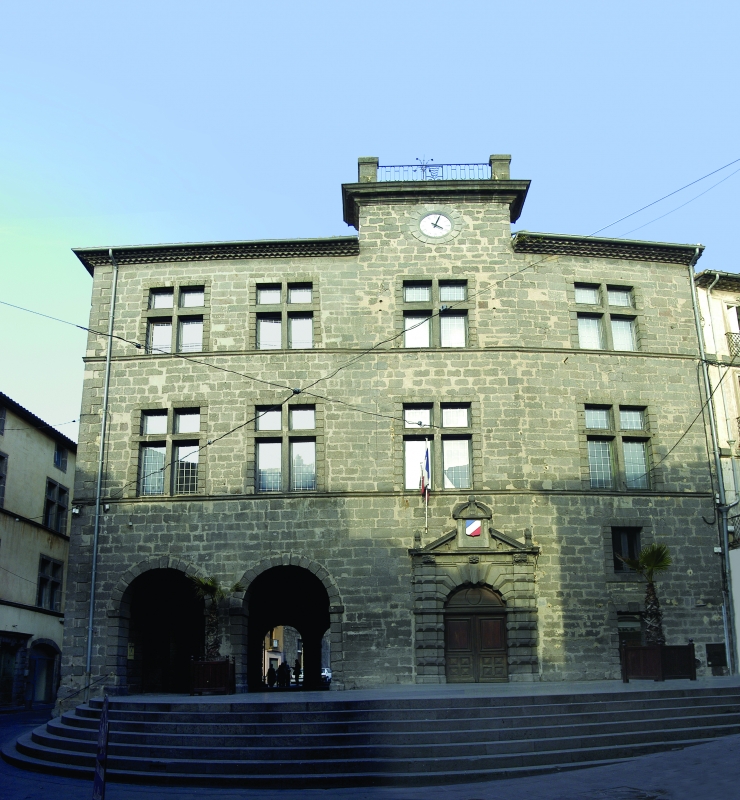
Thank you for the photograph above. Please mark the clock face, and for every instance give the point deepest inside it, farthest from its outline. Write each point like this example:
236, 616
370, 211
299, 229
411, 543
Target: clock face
435, 225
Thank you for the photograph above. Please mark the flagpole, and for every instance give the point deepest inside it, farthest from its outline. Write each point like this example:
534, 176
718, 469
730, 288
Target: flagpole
426, 492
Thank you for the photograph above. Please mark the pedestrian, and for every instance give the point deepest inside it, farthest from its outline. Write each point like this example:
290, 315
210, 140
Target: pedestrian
297, 670
271, 676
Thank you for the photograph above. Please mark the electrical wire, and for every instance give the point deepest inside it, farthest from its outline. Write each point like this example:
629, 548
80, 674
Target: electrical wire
665, 197
714, 185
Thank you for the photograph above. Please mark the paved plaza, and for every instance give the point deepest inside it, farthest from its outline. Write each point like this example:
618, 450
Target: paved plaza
704, 772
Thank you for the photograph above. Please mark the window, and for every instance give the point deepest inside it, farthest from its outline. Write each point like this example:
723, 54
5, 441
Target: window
186, 468
300, 293
437, 325
453, 291
303, 465
605, 330
154, 422
190, 337
192, 297
625, 543
414, 458
269, 419
417, 292
456, 462
49, 592
280, 452
268, 295
300, 331
291, 324
169, 324
169, 440
2, 420
151, 469
55, 506
269, 466
452, 329
617, 456
161, 298
269, 332
416, 330
3, 477
590, 332
623, 333
587, 294
449, 443
60, 457
159, 337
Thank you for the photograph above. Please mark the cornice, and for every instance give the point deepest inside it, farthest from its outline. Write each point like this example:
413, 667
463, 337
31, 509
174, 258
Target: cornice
354, 195
219, 251
728, 281
592, 247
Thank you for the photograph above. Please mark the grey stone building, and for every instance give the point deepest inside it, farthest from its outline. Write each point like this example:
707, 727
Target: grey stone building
272, 404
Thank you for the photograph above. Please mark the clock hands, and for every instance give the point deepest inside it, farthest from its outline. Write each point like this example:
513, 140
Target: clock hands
434, 224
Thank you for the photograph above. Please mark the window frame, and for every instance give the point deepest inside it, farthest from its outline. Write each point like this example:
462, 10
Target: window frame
61, 456
605, 313
286, 436
437, 434
56, 506
4, 458
284, 310
617, 436
435, 309
176, 314
49, 584
170, 439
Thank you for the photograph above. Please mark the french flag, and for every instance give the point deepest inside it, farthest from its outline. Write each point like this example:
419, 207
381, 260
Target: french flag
425, 474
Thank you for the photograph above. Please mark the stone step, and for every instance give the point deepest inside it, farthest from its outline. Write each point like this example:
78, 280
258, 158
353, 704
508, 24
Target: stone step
377, 742
291, 736
303, 752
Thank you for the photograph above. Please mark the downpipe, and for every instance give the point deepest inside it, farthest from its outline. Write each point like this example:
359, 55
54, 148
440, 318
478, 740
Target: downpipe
721, 499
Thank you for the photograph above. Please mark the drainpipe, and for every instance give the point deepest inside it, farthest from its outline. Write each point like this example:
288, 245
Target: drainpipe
99, 486
722, 506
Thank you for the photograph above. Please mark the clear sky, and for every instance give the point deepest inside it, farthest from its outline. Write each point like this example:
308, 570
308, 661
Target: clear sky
138, 122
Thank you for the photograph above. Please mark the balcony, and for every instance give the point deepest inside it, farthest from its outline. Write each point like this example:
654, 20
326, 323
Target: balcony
733, 344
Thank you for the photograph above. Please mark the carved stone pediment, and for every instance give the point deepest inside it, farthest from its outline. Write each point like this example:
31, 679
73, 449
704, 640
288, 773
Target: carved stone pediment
448, 543
471, 510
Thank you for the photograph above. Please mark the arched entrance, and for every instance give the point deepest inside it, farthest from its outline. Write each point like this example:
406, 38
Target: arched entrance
287, 596
475, 636
166, 630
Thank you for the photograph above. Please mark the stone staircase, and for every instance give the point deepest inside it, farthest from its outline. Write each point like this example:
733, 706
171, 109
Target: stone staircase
335, 741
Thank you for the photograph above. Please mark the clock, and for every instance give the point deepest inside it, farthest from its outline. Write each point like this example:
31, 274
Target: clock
435, 225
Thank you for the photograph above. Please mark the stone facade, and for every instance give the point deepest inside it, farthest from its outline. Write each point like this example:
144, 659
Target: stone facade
386, 575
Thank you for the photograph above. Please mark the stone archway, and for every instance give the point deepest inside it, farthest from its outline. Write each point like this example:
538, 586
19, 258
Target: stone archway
156, 626
475, 636
296, 592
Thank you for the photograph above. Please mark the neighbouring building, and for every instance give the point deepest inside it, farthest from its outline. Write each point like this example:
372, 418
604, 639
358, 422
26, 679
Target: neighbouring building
37, 467
719, 305
273, 405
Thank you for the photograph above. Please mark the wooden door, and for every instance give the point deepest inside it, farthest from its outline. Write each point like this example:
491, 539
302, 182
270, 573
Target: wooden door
475, 637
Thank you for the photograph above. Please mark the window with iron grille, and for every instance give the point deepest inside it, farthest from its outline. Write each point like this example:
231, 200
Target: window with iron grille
186, 468
617, 443
55, 506
49, 591
152, 459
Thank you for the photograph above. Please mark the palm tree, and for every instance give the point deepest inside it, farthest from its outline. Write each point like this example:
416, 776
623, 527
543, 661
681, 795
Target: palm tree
210, 589
653, 558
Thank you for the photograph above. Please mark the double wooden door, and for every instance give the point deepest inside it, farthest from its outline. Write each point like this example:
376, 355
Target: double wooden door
475, 647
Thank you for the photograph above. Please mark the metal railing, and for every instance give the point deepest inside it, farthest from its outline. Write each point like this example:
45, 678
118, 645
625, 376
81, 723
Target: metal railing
435, 172
733, 343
